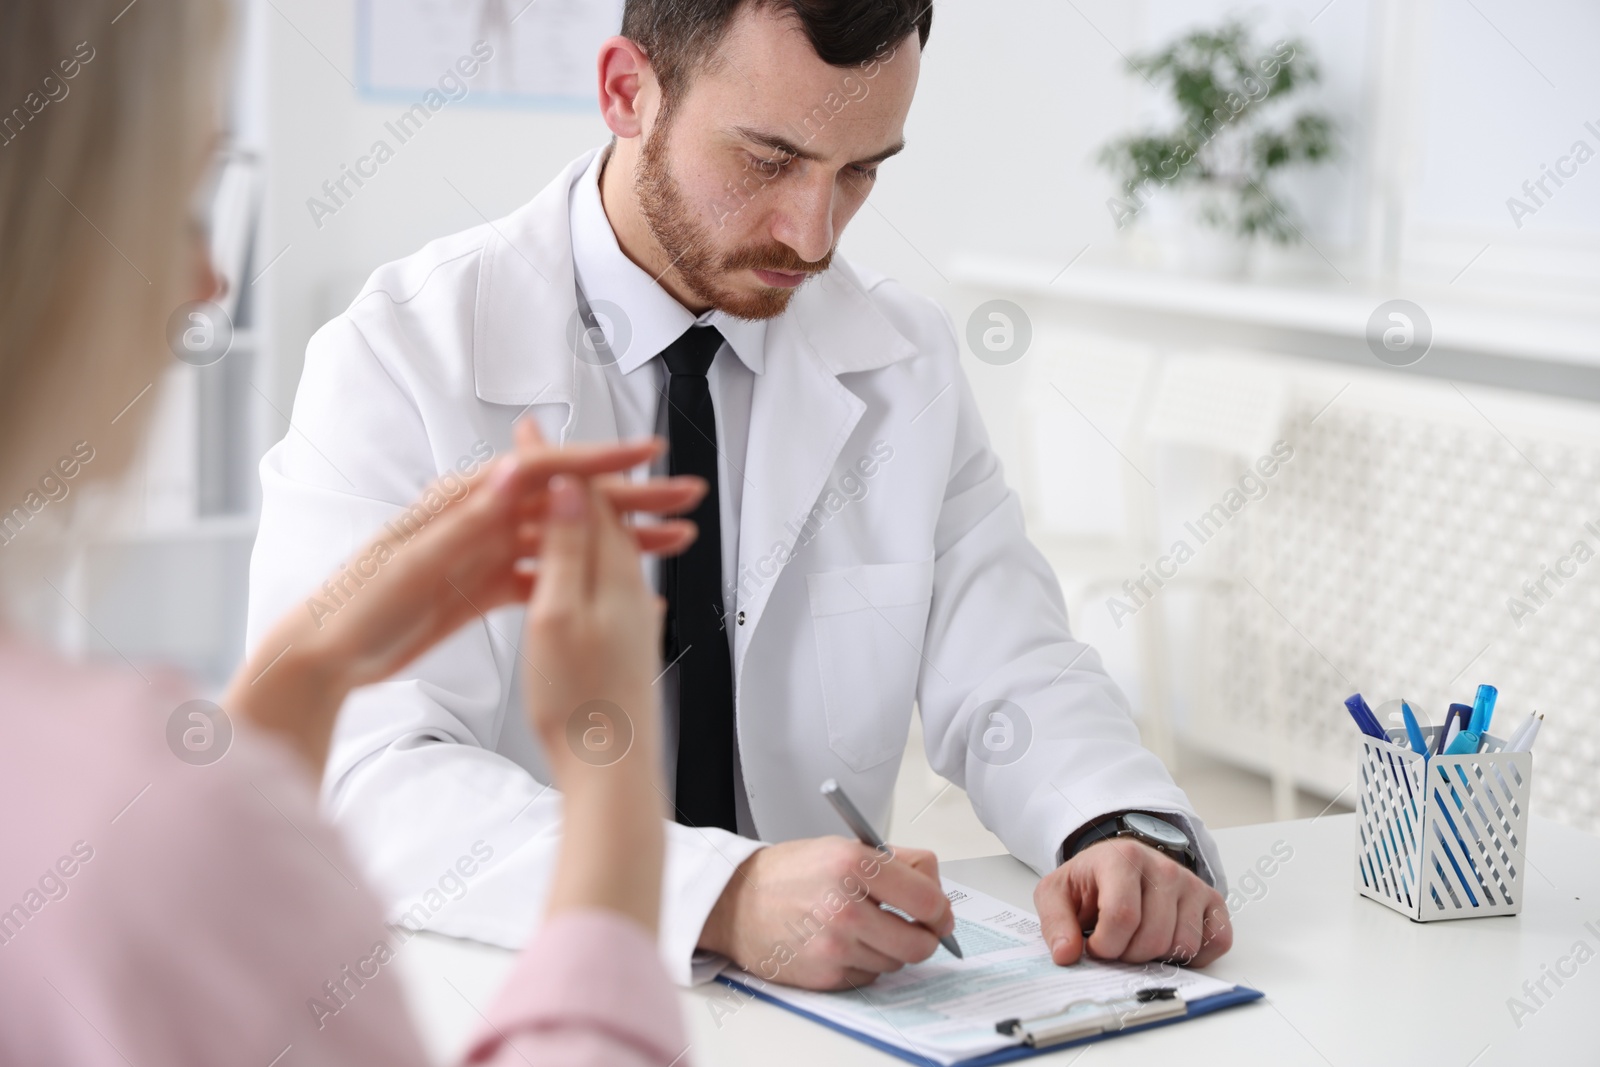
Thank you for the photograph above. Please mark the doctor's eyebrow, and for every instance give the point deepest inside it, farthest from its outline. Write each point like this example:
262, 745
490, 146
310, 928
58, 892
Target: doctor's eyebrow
780, 144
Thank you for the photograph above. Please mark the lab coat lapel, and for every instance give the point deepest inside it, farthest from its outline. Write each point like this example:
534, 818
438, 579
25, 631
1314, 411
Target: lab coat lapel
524, 329
801, 416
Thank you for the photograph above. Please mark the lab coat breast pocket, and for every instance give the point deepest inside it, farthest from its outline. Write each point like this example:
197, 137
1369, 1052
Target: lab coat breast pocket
869, 623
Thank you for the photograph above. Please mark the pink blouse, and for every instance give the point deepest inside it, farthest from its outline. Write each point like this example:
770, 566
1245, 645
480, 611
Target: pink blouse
156, 911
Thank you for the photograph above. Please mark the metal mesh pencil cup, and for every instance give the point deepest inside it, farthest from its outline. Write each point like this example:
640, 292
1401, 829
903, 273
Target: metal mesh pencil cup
1444, 837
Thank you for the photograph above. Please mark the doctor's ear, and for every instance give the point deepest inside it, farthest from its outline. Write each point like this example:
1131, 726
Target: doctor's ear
628, 86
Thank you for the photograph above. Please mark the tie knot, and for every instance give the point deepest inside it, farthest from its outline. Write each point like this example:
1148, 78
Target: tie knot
693, 352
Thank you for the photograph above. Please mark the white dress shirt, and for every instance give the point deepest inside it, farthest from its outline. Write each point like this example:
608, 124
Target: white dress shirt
637, 380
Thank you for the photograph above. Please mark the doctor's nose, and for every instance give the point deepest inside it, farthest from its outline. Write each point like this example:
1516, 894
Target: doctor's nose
805, 223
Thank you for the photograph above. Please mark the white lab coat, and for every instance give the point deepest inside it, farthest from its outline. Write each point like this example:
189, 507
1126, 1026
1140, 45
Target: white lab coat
883, 563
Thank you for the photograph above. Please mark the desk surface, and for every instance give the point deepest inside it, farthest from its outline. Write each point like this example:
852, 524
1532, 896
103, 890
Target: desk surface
1347, 980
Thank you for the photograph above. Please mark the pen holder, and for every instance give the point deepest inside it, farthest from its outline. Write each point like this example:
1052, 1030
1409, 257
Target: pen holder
1444, 837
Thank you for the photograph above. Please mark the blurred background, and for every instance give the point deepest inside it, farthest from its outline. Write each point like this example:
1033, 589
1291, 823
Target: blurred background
1314, 412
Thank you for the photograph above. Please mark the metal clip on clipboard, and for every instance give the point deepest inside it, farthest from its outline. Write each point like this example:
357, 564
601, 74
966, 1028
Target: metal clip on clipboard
1086, 1018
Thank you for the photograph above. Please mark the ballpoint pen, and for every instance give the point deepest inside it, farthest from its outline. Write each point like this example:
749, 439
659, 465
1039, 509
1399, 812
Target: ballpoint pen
1483, 709
1523, 741
1452, 727
869, 837
1466, 740
1365, 719
1516, 735
1413, 731
1458, 717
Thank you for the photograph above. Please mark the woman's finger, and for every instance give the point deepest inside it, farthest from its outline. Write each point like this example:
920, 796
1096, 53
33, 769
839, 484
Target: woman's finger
526, 434
617, 556
566, 562
537, 467
667, 538
658, 496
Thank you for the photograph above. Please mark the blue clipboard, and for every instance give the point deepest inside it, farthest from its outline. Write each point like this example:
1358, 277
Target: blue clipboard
1203, 1006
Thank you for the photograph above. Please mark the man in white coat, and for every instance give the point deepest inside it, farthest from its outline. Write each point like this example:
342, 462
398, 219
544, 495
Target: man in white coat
860, 553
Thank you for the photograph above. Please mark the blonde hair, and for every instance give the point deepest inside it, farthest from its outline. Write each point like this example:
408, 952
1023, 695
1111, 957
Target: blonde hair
108, 111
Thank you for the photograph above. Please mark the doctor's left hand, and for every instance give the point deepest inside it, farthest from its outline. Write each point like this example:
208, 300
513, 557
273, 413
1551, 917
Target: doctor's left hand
1141, 904
449, 559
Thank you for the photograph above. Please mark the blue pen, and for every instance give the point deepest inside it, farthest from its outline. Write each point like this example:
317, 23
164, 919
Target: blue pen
1374, 727
1365, 720
1353, 706
1460, 715
1465, 744
1413, 731
1483, 709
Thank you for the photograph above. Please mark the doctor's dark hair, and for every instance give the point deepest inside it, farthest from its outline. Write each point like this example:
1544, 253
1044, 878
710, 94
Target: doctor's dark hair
680, 36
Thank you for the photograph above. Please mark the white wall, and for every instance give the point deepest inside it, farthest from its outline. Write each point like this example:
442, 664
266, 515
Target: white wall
496, 158
1509, 89
1015, 100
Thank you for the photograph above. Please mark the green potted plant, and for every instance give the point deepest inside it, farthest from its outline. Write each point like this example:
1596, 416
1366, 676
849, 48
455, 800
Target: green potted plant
1231, 136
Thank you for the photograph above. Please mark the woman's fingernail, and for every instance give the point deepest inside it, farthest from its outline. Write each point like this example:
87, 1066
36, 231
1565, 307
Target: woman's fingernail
566, 499
1058, 946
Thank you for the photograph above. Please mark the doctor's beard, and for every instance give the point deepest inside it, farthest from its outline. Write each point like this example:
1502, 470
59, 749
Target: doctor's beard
689, 246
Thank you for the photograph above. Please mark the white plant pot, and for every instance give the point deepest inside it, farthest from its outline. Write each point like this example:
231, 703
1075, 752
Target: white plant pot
1210, 253
1206, 250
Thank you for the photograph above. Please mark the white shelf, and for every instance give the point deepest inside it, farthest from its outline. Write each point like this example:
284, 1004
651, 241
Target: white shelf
1529, 327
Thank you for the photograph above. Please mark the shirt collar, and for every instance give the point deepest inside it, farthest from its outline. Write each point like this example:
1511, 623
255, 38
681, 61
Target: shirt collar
655, 317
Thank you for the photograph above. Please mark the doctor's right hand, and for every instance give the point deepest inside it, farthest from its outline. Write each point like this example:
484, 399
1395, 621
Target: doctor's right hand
806, 913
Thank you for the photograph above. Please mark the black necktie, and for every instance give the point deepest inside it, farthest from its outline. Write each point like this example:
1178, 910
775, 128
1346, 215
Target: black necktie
695, 635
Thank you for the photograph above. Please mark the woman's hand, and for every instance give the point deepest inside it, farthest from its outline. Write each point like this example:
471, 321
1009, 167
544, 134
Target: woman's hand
449, 559
593, 637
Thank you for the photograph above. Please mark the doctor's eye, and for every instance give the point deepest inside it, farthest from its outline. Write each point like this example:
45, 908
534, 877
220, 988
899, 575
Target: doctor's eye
769, 167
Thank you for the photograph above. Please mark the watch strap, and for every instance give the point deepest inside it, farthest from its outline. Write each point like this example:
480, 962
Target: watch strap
1114, 826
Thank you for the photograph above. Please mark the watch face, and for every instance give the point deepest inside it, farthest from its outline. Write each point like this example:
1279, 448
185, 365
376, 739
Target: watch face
1157, 830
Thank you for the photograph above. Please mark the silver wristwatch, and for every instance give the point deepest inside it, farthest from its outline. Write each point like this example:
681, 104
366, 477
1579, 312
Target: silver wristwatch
1150, 829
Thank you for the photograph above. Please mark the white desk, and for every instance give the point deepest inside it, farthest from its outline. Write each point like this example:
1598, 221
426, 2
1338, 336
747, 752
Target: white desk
1347, 980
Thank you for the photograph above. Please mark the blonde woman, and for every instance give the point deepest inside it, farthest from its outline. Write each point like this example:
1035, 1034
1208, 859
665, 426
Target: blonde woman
157, 912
